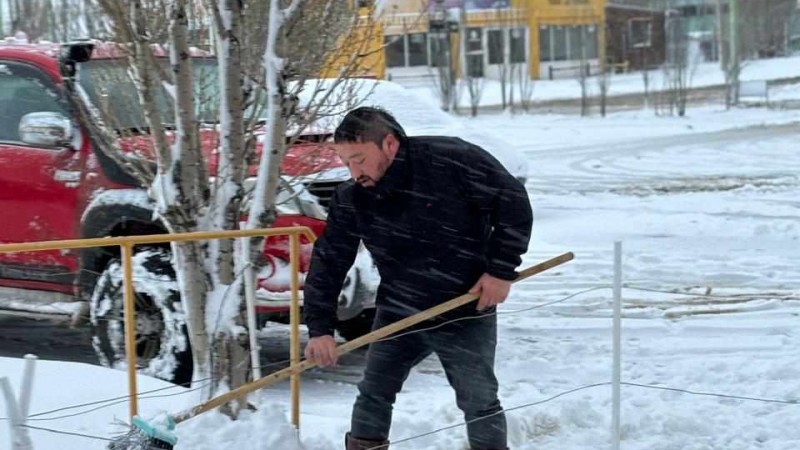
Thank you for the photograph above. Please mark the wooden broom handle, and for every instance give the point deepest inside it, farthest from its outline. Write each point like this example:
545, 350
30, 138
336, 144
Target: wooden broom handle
360, 342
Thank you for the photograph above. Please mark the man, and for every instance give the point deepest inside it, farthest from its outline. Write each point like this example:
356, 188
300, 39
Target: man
440, 217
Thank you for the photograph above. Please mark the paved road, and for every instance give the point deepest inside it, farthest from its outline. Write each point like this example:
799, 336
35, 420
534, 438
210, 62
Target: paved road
47, 339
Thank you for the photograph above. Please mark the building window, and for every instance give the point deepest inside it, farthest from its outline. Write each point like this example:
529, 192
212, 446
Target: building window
395, 49
567, 43
516, 44
408, 50
474, 40
506, 45
474, 52
417, 49
689, 11
545, 44
475, 66
577, 43
560, 43
591, 41
640, 33
438, 50
495, 46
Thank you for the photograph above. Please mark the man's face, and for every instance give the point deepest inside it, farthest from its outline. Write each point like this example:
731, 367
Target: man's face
366, 161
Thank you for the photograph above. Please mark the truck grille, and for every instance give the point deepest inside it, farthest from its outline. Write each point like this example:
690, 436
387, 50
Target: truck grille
323, 190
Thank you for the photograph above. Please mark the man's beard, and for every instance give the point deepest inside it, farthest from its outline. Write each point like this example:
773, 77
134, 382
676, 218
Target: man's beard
365, 181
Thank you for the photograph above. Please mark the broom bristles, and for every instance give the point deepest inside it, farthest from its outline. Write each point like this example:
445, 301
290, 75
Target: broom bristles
145, 436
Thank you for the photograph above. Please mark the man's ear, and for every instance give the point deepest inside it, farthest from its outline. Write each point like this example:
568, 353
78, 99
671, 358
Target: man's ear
390, 145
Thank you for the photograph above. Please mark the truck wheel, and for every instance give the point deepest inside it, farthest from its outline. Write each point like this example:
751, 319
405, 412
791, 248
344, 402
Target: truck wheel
162, 341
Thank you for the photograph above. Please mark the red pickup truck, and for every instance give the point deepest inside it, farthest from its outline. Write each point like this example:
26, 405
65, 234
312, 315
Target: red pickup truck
57, 183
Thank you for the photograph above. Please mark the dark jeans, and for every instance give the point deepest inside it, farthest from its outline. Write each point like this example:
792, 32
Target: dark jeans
466, 350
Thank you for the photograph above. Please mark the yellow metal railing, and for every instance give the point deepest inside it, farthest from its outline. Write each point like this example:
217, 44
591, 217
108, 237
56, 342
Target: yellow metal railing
126, 244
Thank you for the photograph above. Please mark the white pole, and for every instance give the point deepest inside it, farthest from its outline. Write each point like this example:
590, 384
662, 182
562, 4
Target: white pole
19, 435
615, 386
250, 299
27, 386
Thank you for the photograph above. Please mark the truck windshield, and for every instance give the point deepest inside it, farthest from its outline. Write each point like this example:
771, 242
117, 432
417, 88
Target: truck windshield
110, 86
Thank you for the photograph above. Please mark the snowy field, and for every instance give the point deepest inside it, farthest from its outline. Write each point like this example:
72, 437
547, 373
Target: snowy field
708, 212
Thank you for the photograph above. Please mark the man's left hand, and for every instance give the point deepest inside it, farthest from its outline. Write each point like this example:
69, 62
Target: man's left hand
492, 290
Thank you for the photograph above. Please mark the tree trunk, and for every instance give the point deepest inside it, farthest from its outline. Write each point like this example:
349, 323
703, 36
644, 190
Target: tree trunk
194, 288
227, 327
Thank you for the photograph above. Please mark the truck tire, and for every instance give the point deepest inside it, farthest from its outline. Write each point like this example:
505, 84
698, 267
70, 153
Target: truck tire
162, 342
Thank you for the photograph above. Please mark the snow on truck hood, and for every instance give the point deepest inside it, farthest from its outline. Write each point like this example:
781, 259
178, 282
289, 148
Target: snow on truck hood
418, 115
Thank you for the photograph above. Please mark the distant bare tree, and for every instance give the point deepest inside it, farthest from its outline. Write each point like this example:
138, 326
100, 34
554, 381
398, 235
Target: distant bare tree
750, 30
57, 20
31, 17
444, 61
584, 69
497, 47
603, 85
679, 68
732, 59
764, 27
472, 66
525, 86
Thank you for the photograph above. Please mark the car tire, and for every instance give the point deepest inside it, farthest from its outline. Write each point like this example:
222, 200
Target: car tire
357, 326
162, 341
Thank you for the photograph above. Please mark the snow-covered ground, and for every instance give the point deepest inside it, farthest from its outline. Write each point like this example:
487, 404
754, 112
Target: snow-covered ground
786, 92
701, 75
703, 205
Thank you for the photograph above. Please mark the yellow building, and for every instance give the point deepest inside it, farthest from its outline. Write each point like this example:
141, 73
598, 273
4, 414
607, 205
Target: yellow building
544, 38
364, 40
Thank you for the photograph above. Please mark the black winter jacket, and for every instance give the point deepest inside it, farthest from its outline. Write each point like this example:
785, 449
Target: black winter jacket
444, 213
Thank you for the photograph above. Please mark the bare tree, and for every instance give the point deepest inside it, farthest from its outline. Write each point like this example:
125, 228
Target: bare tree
444, 60
521, 84
604, 78
584, 70
733, 65
603, 85
525, 86
750, 30
679, 68
258, 73
472, 64
30, 17
764, 27
57, 20
498, 47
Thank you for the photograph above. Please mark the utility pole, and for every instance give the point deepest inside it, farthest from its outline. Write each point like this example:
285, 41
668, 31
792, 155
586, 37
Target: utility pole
720, 37
734, 50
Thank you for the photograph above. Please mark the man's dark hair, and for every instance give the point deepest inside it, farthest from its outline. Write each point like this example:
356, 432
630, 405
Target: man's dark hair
368, 124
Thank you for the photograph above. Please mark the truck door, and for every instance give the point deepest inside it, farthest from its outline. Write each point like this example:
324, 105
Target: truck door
39, 184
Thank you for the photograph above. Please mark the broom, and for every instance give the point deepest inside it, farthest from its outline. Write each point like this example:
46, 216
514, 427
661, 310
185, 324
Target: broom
157, 433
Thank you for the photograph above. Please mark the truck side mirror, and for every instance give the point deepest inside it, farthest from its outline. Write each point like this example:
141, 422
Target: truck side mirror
49, 129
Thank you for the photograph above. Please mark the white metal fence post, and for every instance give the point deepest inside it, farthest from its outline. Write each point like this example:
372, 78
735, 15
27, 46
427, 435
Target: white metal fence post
250, 300
19, 435
617, 333
27, 386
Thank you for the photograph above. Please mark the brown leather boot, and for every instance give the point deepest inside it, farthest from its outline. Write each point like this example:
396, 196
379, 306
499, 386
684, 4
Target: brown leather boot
352, 443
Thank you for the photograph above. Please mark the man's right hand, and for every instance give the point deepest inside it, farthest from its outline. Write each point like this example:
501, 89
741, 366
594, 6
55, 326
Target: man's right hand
322, 350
